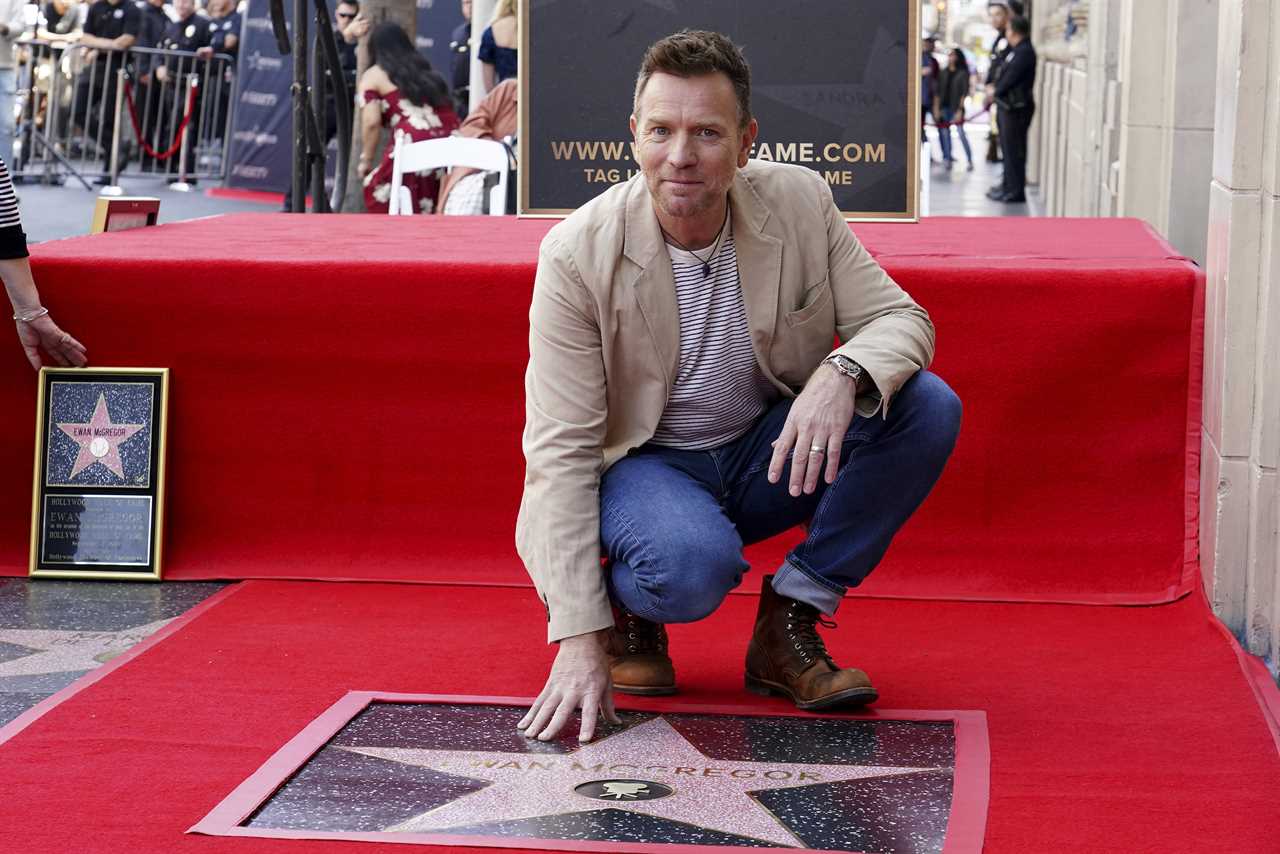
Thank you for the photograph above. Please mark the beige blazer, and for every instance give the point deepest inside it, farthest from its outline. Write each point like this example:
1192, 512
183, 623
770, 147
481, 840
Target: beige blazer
604, 347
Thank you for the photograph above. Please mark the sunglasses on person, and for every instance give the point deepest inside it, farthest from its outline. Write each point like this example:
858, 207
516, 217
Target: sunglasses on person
346, 15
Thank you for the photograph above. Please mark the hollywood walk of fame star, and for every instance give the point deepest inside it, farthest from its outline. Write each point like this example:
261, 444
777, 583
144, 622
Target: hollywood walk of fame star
525, 786
62, 650
99, 440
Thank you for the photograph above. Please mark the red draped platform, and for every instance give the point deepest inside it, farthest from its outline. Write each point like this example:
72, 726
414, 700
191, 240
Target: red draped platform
347, 398
346, 404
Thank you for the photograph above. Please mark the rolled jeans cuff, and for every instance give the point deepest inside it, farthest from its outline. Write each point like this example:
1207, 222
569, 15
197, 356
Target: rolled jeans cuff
796, 582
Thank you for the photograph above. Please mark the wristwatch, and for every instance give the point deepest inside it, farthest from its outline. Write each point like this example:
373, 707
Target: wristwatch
848, 367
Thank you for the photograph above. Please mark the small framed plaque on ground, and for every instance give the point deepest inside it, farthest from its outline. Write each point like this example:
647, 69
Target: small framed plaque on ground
123, 213
98, 498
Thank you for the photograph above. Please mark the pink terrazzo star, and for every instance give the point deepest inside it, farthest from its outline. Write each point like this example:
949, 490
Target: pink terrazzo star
99, 440
713, 795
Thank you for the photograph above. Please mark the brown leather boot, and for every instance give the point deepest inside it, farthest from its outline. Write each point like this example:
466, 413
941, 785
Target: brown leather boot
638, 660
787, 656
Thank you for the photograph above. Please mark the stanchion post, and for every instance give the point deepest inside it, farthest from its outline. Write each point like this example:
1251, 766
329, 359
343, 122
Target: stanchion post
54, 108
188, 109
114, 188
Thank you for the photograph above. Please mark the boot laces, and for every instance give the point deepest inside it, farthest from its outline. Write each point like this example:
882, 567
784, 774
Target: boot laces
802, 629
644, 636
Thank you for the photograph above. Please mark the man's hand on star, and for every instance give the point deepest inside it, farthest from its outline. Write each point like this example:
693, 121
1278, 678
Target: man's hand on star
818, 419
579, 680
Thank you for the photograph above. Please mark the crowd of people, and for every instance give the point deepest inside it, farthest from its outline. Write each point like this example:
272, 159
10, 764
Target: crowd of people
399, 91
105, 30
1007, 96
403, 93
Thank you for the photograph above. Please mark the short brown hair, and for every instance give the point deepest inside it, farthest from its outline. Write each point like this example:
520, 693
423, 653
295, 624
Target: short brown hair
690, 53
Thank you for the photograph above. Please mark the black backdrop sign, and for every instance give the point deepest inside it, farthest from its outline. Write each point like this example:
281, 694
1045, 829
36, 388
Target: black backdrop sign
834, 85
263, 125
260, 137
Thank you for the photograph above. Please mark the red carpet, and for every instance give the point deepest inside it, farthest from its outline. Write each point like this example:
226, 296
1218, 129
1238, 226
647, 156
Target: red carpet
1112, 729
347, 398
333, 376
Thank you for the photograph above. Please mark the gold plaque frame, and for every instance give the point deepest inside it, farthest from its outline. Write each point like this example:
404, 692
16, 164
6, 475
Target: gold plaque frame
152, 488
121, 213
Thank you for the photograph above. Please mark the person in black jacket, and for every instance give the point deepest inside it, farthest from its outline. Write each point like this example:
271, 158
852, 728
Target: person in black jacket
110, 29
187, 33
460, 56
1013, 94
998, 15
151, 34
953, 90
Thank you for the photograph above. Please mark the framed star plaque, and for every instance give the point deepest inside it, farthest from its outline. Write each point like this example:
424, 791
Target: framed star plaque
669, 779
98, 498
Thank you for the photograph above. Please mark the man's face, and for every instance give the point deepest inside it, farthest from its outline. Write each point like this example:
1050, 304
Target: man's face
219, 8
159, 4
345, 14
466, 9
998, 16
184, 8
688, 141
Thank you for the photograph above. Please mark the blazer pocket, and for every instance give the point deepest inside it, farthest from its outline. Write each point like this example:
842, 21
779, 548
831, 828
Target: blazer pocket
821, 298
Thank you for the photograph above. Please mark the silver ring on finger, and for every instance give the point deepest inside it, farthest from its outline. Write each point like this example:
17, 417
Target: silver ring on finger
817, 449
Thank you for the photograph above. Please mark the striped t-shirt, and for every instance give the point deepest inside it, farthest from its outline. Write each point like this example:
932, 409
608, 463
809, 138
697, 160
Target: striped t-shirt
719, 389
13, 243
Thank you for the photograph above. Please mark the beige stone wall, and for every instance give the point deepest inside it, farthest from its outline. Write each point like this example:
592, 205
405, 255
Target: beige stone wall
1240, 511
1170, 111
1127, 111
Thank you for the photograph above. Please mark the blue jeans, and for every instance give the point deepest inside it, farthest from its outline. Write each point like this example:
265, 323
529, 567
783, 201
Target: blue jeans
673, 523
944, 134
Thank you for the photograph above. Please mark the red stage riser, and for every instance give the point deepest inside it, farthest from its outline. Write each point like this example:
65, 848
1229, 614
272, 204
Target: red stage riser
347, 399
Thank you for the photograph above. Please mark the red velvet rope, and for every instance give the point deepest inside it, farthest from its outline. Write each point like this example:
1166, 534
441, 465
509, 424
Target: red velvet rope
137, 128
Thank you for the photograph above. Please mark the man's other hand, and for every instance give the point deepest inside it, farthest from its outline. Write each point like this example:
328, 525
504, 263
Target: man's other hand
818, 420
579, 680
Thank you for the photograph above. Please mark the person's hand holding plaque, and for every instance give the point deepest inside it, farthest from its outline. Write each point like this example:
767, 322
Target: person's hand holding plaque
36, 330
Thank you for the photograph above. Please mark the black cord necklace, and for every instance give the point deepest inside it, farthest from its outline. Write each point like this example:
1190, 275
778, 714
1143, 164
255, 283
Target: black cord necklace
715, 247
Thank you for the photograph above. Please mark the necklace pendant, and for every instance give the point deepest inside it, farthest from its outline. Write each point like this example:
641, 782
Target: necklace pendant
706, 269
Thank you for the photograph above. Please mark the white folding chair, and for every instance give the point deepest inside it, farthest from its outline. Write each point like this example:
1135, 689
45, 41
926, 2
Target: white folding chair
486, 154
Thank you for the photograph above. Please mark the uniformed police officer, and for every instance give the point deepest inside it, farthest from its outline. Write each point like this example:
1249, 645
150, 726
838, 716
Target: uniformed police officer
188, 33
224, 38
155, 21
110, 29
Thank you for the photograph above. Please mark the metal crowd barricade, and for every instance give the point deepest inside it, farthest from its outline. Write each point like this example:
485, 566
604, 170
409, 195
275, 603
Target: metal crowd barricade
94, 114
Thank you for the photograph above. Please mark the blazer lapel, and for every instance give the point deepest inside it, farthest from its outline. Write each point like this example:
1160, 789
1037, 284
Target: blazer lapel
759, 265
652, 282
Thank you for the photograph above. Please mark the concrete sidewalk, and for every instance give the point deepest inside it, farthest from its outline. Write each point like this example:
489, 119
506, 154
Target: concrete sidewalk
53, 212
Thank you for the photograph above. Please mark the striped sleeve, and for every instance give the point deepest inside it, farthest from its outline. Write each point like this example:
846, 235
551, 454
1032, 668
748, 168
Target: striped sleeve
13, 242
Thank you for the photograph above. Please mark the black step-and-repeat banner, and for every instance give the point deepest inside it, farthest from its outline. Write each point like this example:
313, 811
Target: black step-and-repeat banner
261, 158
834, 85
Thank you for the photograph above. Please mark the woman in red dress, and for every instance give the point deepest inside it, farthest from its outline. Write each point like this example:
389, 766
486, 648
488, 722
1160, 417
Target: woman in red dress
400, 91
